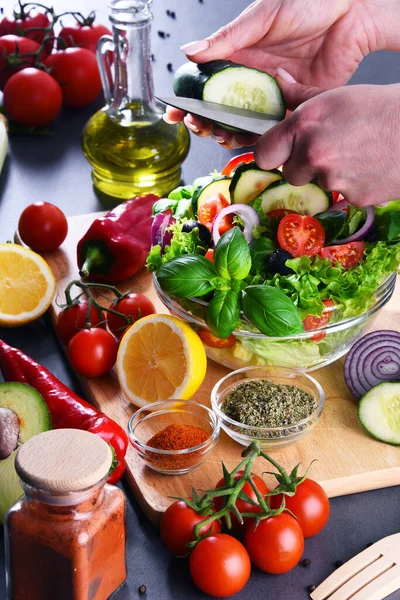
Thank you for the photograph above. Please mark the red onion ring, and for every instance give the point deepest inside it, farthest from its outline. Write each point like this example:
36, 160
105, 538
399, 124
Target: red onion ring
248, 215
159, 235
362, 232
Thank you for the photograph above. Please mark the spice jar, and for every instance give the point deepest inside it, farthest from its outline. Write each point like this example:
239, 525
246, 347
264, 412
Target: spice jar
65, 537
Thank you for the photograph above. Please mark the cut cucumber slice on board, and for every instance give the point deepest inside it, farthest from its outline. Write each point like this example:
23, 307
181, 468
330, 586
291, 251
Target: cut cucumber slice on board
218, 186
379, 412
231, 84
34, 418
249, 181
307, 199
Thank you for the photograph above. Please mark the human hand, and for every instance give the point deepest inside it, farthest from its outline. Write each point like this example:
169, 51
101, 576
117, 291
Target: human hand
346, 138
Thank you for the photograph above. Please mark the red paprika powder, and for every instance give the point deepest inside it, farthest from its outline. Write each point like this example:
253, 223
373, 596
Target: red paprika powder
176, 437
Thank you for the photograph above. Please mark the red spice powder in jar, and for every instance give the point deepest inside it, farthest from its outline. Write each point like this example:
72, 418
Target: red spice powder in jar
176, 437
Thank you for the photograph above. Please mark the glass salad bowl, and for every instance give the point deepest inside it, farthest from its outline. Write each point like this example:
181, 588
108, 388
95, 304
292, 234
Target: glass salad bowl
307, 351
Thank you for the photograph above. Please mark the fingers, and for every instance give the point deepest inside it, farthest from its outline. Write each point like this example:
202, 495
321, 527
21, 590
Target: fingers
231, 140
295, 93
173, 115
275, 146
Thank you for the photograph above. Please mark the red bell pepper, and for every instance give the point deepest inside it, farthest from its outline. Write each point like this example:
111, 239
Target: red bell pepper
67, 410
116, 246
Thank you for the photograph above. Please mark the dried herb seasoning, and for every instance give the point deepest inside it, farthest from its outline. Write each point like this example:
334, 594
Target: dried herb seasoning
262, 403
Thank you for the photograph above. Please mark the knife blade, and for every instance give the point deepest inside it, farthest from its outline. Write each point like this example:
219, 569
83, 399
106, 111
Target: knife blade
245, 120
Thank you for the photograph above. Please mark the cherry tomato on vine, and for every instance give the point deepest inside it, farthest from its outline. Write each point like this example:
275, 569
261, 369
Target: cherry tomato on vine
276, 545
310, 505
209, 339
44, 93
92, 352
244, 158
134, 306
312, 322
73, 319
301, 235
30, 25
177, 527
78, 74
16, 53
219, 565
242, 505
348, 255
43, 226
210, 208
82, 35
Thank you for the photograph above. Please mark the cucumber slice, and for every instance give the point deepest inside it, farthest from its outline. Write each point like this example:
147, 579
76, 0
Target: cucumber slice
228, 83
218, 186
34, 418
379, 412
249, 181
307, 199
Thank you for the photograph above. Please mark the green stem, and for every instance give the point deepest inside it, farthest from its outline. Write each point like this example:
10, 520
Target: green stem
277, 466
86, 289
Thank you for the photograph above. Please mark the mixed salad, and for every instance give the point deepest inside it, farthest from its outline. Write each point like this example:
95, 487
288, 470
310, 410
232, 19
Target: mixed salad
248, 252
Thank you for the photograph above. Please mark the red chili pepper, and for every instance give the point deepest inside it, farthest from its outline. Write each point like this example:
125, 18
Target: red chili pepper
67, 410
115, 246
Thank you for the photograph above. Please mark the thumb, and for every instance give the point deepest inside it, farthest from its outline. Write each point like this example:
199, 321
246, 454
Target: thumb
295, 93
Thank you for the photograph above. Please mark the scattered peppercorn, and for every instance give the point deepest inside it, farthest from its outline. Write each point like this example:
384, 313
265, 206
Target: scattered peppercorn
142, 589
171, 13
338, 564
170, 67
162, 34
306, 562
311, 588
153, 58
201, 1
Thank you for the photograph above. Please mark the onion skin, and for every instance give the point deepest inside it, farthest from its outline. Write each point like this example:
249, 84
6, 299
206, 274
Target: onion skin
159, 235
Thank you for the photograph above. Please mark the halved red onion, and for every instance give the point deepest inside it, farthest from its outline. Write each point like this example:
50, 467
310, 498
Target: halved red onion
339, 205
374, 359
248, 215
363, 231
159, 235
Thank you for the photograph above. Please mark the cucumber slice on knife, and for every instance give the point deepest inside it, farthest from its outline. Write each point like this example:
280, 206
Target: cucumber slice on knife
218, 186
225, 82
379, 412
249, 181
307, 199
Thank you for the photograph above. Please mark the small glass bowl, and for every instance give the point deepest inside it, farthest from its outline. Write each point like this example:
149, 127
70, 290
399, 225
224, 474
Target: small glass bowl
151, 419
270, 438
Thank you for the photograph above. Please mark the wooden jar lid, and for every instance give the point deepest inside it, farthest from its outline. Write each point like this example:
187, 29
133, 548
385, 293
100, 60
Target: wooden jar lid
63, 460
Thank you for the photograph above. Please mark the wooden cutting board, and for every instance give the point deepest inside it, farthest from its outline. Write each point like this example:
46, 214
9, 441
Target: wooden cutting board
348, 460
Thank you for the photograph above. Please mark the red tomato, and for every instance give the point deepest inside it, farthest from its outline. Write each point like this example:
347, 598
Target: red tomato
310, 505
215, 342
242, 505
44, 93
43, 226
236, 161
16, 53
134, 306
279, 213
177, 527
210, 255
92, 352
82, 36
312, 322
335, 197
301, 235
31, 25
348, 255
276, 545
210, 208
77, 71
73, 319
220, 566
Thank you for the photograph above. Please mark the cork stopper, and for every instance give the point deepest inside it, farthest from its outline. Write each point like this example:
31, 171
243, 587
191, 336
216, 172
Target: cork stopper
63, 460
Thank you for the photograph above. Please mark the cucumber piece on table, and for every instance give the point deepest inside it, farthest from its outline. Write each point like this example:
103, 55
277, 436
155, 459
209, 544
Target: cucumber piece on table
379, 412
228, 83
218, 186
308, 199
249, 181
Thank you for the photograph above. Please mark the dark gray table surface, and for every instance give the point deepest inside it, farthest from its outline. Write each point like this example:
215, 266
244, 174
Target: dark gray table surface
52, 168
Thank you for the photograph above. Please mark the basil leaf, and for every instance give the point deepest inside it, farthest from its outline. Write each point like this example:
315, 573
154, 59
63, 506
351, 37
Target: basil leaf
187, 276
270, 310
333, 222
183, 191
232, 255
222, 314
355, 218
163, 204
260, 250
183, 209
220, 283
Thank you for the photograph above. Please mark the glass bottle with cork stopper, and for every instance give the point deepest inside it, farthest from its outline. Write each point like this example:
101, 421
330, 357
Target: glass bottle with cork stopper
132, 150
65, 537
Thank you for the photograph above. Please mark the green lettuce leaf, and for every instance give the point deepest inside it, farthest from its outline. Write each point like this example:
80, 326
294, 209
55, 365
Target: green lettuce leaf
296, 353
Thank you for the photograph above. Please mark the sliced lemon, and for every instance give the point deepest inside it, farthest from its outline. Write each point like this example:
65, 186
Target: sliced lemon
160, 358
27, 285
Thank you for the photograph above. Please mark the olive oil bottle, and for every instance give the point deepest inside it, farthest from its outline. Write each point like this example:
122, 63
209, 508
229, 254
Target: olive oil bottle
132, 150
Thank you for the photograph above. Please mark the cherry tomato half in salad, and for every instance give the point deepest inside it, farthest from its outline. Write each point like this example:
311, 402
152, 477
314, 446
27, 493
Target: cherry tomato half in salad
210, 208
92, 352
301, 235
43, 226
73, 319
310, 505
279, 213
312, 322
242, 505
209, 255
348, 255
177, 527
244, 158
213, 341
134, 306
